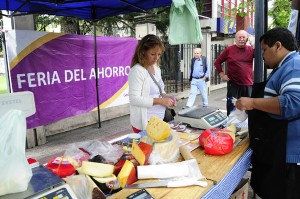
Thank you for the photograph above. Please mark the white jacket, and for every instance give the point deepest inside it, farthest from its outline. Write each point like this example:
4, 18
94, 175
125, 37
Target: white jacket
139, 95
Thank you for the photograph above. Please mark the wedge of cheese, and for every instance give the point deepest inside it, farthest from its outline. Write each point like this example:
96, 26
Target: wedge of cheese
232, 131
96, 169
157, 129
127, 174
141, 152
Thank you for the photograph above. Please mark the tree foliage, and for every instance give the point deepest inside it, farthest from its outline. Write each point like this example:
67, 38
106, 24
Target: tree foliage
110, 26
280, 13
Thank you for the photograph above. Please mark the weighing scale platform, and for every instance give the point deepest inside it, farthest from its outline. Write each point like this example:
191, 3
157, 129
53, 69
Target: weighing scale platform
201, 117
43, 183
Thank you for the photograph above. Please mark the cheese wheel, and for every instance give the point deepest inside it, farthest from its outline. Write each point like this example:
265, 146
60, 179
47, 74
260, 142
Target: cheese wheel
96, 169
166, 152
157, 129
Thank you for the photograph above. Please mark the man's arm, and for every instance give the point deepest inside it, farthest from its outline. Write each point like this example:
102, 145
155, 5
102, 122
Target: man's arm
192, 68
269, 105
220, 59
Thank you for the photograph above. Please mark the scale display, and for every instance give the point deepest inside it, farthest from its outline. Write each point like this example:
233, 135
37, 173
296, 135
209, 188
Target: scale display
201, 117
61, 192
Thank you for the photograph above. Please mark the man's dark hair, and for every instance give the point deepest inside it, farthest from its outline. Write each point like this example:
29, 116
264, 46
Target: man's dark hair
283, 35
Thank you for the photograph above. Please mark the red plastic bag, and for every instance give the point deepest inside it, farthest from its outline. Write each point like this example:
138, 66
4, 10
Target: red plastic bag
215, 142
61, 167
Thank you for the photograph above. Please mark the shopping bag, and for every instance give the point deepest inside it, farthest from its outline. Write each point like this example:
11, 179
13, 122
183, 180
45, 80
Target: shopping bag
169, 115
15, 171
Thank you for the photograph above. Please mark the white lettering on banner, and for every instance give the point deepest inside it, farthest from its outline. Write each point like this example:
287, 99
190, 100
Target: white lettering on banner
38, 79
20, 81
109, 72
41, 78
49, 78
31, 79
92, 74
100, 73
68, 75
127, 70
76, 75
55, 78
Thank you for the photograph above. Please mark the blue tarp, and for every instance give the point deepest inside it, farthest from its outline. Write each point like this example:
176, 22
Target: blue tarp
90, 10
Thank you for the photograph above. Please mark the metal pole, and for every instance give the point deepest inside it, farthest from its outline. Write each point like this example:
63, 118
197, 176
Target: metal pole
260, 27
8, 81
96, 72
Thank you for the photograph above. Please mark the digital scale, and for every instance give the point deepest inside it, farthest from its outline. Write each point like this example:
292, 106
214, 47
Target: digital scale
44, 185
201, 117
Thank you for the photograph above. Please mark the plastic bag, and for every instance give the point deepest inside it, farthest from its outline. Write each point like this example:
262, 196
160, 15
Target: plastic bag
109, 152
15, 171
215, 142
236, 116
165, 152
83, 151
61, 167
79, 185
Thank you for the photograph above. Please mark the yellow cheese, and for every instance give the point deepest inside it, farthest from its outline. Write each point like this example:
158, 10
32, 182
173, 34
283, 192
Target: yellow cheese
127, 174
105, 179
157, 129
137, 153
96, 169
232, 129
141, 151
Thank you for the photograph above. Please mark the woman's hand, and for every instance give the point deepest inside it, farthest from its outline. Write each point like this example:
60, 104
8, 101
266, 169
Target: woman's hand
165, 101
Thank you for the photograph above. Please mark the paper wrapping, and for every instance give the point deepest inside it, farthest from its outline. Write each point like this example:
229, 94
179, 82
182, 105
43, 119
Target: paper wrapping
188, 168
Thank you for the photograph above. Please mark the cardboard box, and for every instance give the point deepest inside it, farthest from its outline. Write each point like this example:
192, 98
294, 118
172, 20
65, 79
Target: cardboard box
241, 191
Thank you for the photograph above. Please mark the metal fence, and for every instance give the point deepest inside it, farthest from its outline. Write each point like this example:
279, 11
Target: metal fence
175, 66
216, 50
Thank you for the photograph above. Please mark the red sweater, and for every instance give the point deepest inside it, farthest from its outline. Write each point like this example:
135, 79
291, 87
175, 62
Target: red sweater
239, 64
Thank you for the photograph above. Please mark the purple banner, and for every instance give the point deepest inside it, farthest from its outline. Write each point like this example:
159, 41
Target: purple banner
61, 74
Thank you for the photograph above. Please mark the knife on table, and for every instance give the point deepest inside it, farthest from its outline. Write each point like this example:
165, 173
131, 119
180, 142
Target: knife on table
168, 183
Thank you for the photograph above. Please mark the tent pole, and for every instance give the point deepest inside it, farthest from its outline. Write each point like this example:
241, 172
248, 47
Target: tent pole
9, 87
96, 72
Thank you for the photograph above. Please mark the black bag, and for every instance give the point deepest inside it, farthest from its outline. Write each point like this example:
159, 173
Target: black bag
169, 115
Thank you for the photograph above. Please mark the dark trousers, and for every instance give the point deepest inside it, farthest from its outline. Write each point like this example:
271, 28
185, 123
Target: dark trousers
236, 91
292, 181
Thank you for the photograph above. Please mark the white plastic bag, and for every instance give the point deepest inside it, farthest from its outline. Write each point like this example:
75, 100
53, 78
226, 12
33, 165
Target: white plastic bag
15, 171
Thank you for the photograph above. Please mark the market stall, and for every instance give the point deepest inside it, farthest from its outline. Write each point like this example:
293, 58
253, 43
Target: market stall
223, 173
160, 144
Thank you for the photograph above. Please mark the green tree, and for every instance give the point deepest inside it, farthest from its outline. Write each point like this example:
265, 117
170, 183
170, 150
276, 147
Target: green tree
280, 13
109, 26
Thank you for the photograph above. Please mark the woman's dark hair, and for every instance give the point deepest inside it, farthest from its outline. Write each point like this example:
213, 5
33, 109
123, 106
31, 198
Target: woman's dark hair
283, 35
148, 42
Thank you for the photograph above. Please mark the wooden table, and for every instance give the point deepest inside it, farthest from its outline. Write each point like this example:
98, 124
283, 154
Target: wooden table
212, 167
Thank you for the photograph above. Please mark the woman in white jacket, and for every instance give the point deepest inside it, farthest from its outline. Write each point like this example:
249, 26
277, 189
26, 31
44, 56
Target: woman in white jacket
144, 95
